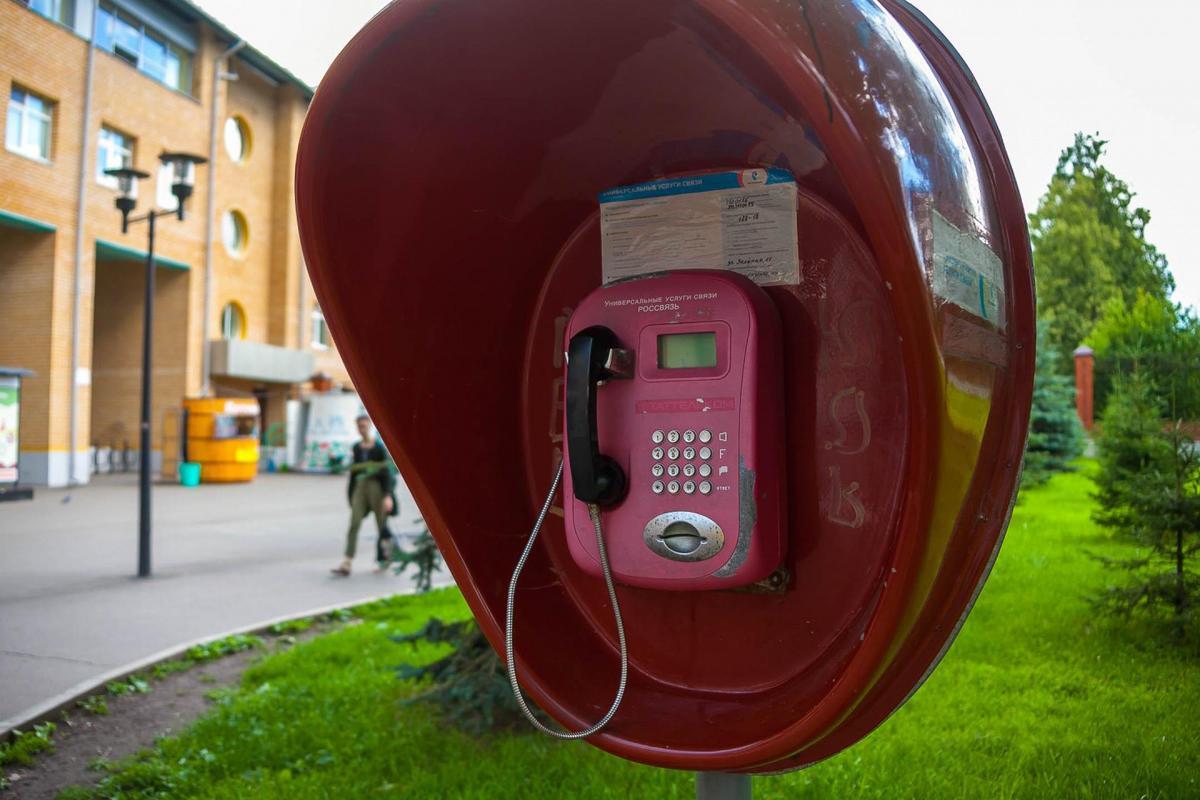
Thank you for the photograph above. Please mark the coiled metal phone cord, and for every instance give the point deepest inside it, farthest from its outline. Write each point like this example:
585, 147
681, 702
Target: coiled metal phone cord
612, 596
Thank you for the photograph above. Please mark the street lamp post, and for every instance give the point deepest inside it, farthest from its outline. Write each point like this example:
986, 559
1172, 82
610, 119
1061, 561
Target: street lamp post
183, 179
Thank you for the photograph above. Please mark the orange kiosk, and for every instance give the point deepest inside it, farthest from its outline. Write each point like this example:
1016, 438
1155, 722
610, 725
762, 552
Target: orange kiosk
222, 437
493, 146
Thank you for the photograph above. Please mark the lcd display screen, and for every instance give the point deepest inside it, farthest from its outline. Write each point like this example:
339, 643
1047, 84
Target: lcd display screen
687, 350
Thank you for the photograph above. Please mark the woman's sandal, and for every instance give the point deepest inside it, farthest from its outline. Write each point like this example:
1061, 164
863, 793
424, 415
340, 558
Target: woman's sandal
342, 571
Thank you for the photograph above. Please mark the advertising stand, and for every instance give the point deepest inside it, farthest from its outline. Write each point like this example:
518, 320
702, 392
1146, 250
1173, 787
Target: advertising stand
10, 435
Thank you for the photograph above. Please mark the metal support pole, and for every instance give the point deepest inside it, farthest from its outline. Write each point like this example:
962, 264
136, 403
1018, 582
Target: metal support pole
722, 786
144, 458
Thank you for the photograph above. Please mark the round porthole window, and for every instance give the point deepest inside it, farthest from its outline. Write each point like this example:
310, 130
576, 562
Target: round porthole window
233, 321
234, 232
237, 138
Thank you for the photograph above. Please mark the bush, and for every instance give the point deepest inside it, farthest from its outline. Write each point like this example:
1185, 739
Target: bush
1150, 493
424, 558
469, 687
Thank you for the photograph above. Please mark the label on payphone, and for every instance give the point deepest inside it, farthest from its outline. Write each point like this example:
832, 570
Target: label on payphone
674, 427
740, 220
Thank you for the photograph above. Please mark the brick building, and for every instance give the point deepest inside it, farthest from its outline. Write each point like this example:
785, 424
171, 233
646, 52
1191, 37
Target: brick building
93, 84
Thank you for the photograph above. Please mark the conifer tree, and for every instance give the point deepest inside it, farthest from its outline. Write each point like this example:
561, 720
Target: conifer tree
1089, 246
1055, 433
1150, 494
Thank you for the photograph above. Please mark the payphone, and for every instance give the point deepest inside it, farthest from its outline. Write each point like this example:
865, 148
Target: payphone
674, 417
673, 423
787, 588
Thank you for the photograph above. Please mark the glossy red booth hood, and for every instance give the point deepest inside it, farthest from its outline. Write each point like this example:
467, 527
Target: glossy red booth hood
446, 190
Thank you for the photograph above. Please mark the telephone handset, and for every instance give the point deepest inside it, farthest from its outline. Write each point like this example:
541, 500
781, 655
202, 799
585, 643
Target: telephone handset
674, 428
593, 356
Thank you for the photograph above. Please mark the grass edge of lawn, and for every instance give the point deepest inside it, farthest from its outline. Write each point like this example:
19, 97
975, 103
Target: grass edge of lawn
1019, 728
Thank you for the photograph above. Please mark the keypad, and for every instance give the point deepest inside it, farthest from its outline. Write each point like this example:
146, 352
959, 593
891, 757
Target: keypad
672, 461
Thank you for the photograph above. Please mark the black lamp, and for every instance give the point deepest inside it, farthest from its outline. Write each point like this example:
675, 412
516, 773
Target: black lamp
183, 179
183, 174
127, 183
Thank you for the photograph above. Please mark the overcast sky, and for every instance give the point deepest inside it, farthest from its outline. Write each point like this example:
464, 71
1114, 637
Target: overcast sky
1047, 67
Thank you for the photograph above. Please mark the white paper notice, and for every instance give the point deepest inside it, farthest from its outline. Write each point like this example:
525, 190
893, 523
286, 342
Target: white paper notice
743, 220
967, 272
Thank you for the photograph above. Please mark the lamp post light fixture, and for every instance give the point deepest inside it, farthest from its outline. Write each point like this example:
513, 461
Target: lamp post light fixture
183, 175
127, 183
183, 179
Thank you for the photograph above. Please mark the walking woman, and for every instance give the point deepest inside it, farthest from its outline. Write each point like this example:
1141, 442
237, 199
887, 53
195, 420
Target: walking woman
371, 491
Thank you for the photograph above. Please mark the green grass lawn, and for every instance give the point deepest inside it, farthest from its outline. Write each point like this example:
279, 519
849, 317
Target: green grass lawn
1035, 699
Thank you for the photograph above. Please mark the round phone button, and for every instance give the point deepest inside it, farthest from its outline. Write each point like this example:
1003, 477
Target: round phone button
657, 487
689, 487
673, 470
705, 470
705, 487
689, 452
657, 469
657, 437
656, 453
673, 453
705, 452
673, 487
689, 470
689, 436
706, 436
673, 436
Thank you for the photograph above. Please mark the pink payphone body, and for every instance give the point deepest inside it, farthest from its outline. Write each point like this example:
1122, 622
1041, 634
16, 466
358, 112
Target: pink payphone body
673, 422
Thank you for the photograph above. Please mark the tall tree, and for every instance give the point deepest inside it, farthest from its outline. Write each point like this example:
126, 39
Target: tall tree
1157, 338
1089, 244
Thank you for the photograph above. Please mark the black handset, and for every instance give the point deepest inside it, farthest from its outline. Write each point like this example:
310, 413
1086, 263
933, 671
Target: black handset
594, 355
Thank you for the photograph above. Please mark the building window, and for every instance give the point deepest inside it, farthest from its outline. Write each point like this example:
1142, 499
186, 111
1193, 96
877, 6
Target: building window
237, 139
28, 128
233, 322
145, 48
113, 151
320, 331
58, 10
234, 232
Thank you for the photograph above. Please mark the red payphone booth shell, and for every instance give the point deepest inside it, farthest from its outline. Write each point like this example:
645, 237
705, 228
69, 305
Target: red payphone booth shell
446, 191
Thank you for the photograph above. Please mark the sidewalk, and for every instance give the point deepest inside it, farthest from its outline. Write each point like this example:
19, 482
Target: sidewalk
224, 557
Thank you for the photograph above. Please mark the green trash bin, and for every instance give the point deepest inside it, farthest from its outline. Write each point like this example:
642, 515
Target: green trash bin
189, 473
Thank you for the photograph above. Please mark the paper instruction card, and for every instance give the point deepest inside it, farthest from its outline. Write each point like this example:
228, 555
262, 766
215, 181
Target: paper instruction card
740, 220
967, 272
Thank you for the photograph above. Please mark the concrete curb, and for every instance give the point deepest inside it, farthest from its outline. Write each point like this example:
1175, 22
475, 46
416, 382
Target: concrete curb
50, 708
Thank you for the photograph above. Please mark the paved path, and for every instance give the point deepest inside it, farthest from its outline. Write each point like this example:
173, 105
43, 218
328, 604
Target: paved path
224, 557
